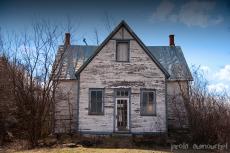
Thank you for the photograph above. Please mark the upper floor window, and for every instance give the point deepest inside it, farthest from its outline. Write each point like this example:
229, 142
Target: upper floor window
122, 53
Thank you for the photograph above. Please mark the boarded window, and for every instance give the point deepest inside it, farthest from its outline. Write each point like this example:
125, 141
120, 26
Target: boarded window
122, 51
96, 101
148, 102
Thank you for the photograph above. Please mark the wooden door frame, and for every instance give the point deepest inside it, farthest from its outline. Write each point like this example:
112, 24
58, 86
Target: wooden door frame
128, 113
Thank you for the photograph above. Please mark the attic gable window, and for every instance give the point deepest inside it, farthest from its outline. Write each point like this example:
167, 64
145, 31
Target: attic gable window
122, 51
148, 102
96, 101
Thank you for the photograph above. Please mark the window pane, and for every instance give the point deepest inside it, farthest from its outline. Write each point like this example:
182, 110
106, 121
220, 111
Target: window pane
144, 102
93, 106
99, 95
93, 96
150, 98
150, 108
122, 51
99, 106
122, 93
96, 101
148, 102
145, 98
118, 93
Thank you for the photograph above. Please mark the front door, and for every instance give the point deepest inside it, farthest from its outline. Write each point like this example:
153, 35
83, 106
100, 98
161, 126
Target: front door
122, 114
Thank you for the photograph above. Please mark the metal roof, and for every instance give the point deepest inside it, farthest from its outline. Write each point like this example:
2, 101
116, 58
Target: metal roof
170, 57
173, 60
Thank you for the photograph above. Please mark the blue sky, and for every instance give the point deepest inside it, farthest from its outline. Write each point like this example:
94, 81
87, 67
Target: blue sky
201, 28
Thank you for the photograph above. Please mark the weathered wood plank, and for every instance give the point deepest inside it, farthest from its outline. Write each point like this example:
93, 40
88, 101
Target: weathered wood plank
104, 72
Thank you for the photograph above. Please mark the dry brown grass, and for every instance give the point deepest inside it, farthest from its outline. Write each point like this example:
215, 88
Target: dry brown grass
88, 150
105, 150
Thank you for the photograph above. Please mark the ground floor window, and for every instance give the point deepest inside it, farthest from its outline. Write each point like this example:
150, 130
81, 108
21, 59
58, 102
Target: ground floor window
96, 101
148, 102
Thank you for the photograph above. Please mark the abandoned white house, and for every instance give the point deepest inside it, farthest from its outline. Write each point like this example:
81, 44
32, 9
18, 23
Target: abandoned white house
119, 86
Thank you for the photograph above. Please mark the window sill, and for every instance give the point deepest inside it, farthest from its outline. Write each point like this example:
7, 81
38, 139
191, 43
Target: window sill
123, 61
148, 114
100, 114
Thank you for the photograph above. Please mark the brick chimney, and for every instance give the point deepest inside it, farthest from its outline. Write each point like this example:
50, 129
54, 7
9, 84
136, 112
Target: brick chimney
67, 39
171, 40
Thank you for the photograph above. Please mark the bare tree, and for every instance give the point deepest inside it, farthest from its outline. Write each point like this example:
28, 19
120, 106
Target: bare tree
96, 36
34, 74
208, 113
109, 22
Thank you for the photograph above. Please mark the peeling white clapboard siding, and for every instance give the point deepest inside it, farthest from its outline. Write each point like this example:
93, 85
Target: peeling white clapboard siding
177, 115
66, 106
104, 72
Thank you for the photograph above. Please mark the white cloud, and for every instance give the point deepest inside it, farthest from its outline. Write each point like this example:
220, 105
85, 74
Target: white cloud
192, 13
224, 73
164, 10
218, 87
196, 13
220, 79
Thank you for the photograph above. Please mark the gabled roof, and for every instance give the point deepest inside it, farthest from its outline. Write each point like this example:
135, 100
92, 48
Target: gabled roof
171, 58
71, 57
125, 25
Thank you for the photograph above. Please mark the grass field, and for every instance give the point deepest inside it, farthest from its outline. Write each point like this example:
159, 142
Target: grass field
101, 150
87, 150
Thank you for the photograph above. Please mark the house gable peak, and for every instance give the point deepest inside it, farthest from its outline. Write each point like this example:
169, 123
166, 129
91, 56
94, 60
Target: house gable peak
124, 25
